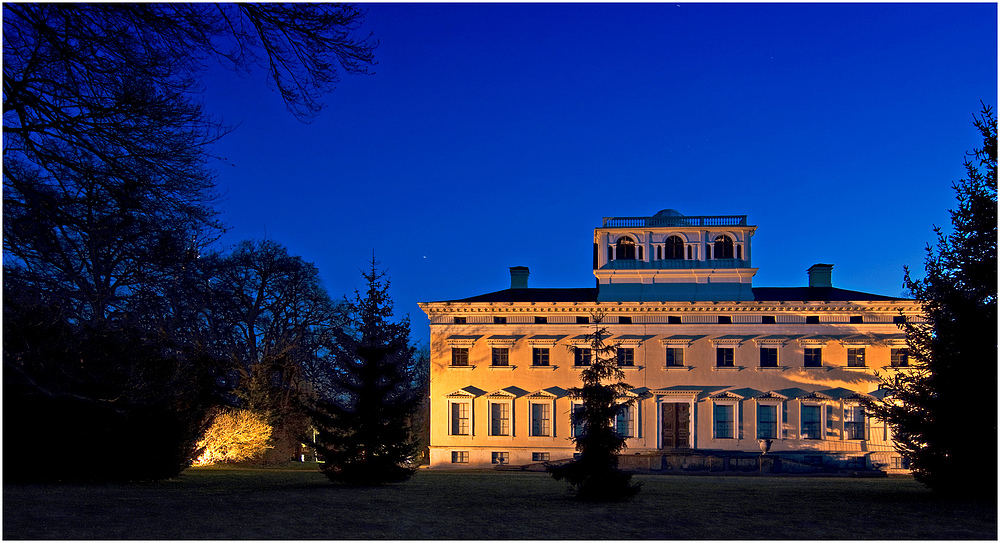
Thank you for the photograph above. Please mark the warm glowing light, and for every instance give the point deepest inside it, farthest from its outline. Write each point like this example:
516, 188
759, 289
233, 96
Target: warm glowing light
235, 435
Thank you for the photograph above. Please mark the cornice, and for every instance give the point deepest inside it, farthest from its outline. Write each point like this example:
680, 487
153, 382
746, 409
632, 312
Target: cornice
909, 307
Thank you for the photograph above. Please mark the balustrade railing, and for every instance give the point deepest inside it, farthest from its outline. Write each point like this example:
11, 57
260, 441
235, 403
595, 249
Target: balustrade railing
721, 263
696, 220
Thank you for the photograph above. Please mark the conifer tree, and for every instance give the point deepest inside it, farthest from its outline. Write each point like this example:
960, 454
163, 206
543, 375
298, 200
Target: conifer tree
595, 473
362, 416
943, 408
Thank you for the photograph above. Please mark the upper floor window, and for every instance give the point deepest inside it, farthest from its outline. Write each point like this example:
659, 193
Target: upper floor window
459, 320
769, 357
583, 320
674, 248
675, 356
459, 356
723, 247
541, 320
501, 356
582, 356
499, 320
856, 357
899, 358
626, 356
624, 320
625, 248
724, 357
813, 357
539, 356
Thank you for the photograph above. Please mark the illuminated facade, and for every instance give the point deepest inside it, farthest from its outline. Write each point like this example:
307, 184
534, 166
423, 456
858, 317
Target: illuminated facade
715, 364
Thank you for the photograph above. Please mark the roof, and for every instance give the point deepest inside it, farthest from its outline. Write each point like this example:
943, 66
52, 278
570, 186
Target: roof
760, 294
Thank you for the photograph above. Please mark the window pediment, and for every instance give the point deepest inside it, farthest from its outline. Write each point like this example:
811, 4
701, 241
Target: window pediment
771, 397
466, 393
726, 396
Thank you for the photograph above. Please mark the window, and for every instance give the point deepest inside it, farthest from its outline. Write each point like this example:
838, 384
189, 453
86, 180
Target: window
723, 247
577, 425
624, 320
582, 356
675, 356
541, 421
769, 357
768, 319
625, 249
724, 357
899, 358
583, 320
499, 320
725, 319
724, 417
899, 319
659, 253
501, 457
539, 457
459, 320
626, 356
541, 320
675, 248
811, 422
812, 319
459, 457
854, 421
813, 357
767, 421
459, 356
460, 418
857, 319
539, 356
625, 422
673, 320
499, 419
855, 357
639, 250
501, 356
899, 462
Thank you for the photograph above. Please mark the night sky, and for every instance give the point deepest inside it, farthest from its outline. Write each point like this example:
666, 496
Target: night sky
498, 135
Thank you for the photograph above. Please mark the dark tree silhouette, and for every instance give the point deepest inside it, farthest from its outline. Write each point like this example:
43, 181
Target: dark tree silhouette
595, 473
943, 408
363, 423
107, 203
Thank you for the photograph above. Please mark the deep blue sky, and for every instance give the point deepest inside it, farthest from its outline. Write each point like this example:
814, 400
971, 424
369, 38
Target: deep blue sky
498, 135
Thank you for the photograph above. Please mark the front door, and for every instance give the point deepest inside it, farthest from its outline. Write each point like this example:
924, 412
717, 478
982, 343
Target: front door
675, 425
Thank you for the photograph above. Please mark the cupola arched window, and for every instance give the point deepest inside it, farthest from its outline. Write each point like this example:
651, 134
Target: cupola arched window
723, 247
625, 249
675, 248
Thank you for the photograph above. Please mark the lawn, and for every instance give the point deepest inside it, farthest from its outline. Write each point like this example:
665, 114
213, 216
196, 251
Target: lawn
212, 503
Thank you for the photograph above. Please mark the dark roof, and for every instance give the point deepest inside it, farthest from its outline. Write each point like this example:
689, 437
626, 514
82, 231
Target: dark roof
814, 294
536, 295
760, 294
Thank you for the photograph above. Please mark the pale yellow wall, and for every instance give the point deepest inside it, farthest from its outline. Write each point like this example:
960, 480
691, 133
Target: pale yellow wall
650, 360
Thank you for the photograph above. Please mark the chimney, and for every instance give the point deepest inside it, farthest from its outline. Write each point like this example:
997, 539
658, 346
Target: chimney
820, 275
519, 277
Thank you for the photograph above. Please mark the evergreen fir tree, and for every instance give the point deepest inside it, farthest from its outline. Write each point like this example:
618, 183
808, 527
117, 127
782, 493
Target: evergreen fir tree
943, 408
363, 419
595, 473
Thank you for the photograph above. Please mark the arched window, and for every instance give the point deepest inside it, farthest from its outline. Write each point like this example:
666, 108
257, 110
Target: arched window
675, 248
625, 249
723, 247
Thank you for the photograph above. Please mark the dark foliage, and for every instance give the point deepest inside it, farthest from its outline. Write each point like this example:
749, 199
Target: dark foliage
595, 473
363, 420
943, 409
104, 403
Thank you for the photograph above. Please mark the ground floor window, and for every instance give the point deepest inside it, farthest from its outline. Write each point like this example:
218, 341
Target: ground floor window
625, 421
811, 422
501, 457
499, 419
577, 425
767, 421
459, 457
541, 419
854, 422
724, 418
459, 423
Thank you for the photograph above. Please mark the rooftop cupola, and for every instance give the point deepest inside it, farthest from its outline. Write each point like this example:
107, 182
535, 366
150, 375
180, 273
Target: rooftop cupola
674, 257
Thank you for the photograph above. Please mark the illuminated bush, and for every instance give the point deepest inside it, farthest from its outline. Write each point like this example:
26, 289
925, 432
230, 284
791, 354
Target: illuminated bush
235, 435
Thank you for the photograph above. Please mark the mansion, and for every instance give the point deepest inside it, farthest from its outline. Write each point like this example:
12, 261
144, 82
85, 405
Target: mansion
715, 365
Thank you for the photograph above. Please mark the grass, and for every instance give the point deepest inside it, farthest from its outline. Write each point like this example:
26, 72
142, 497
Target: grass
219, 503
